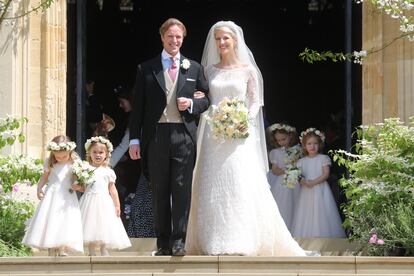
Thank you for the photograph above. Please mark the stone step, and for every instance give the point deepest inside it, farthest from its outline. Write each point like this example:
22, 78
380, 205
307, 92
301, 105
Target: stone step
199, 274
327, 247
207, 265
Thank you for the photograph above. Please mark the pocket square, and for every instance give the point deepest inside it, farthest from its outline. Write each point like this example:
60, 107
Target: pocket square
191, 79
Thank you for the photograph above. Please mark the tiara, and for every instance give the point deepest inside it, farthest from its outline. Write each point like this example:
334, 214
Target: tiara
62, 146
314, 131
99, 139
284, 127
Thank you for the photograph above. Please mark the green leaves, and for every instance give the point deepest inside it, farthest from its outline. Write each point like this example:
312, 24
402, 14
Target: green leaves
311, 56
380, 187
39, 7
13, 214
10, 130
396, 9
14, 169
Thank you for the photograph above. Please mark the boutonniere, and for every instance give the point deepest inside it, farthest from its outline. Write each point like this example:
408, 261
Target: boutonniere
185, 64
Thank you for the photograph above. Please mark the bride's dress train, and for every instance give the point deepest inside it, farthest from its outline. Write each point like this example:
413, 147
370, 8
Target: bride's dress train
232, 210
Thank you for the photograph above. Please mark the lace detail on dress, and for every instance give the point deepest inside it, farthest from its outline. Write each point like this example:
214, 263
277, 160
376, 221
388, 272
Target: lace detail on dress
232, 209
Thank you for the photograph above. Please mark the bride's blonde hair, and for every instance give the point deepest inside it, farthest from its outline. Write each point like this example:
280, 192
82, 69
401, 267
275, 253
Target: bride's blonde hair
228, 30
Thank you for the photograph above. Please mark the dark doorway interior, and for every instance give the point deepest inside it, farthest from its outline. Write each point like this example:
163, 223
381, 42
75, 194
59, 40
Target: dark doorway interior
121, 34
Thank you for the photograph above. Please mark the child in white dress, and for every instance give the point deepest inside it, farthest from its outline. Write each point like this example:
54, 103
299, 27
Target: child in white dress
316, 214
286, 153
100, 206
56, 224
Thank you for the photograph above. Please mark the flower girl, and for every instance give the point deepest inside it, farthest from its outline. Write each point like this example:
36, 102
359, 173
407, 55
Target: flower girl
284, 175
100, 207
56, 224
316, 214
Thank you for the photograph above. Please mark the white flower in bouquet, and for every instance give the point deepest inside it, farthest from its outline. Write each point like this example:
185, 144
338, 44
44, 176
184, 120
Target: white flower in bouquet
229, 119
83, 172
293, 154
292, 176
292, 173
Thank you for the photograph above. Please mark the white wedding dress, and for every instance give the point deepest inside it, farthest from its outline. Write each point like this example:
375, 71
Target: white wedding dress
232, 210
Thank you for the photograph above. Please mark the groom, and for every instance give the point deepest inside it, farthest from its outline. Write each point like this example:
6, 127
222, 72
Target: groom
163, 131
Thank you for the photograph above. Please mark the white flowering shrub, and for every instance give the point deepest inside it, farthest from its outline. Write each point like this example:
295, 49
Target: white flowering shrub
380, 188
14, 170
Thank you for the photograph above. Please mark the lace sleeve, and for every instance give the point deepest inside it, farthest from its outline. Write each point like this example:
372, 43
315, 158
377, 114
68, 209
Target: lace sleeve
326, 161
253, 96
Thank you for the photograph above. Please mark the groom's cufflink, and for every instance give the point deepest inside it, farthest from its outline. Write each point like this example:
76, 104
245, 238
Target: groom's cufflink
191, 79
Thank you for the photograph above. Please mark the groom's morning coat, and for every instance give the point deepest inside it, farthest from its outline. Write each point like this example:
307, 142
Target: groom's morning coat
150, 99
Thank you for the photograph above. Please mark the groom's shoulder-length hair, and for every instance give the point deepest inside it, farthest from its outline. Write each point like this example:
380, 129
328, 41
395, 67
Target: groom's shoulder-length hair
170, 22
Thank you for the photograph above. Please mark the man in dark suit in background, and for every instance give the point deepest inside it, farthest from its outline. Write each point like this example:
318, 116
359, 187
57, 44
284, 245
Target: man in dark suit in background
163, 130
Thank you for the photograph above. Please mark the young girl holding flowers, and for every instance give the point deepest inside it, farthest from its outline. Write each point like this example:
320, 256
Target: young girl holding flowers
284, 175
316, 214
56, 224
100, 207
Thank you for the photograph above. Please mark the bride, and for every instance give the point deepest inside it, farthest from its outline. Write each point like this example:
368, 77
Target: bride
232, 209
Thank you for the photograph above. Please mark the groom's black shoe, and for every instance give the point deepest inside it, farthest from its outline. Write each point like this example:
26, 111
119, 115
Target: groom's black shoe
178, 248
163, 252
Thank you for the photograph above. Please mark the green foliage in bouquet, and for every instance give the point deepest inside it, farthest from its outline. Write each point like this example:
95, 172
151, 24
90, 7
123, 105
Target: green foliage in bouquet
380, 188
229, 119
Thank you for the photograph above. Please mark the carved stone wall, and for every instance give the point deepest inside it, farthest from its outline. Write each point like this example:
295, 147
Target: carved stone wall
33, 73
388, 88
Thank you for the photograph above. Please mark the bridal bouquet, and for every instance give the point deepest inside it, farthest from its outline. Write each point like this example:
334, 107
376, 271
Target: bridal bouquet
292, 173
83, 172
229, 119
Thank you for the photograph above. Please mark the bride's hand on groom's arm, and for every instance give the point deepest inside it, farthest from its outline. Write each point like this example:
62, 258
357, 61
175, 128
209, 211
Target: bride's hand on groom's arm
199, 95
135, 152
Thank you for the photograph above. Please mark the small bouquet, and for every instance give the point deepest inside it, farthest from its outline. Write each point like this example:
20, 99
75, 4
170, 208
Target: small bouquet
292, 174
83, 172
229, 119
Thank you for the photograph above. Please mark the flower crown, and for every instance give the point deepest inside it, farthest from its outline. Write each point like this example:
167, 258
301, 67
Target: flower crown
314, 131
284, 127
99, 139
62, 146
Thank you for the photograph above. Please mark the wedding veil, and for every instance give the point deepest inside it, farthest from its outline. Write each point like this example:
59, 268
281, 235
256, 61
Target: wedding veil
211, 56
